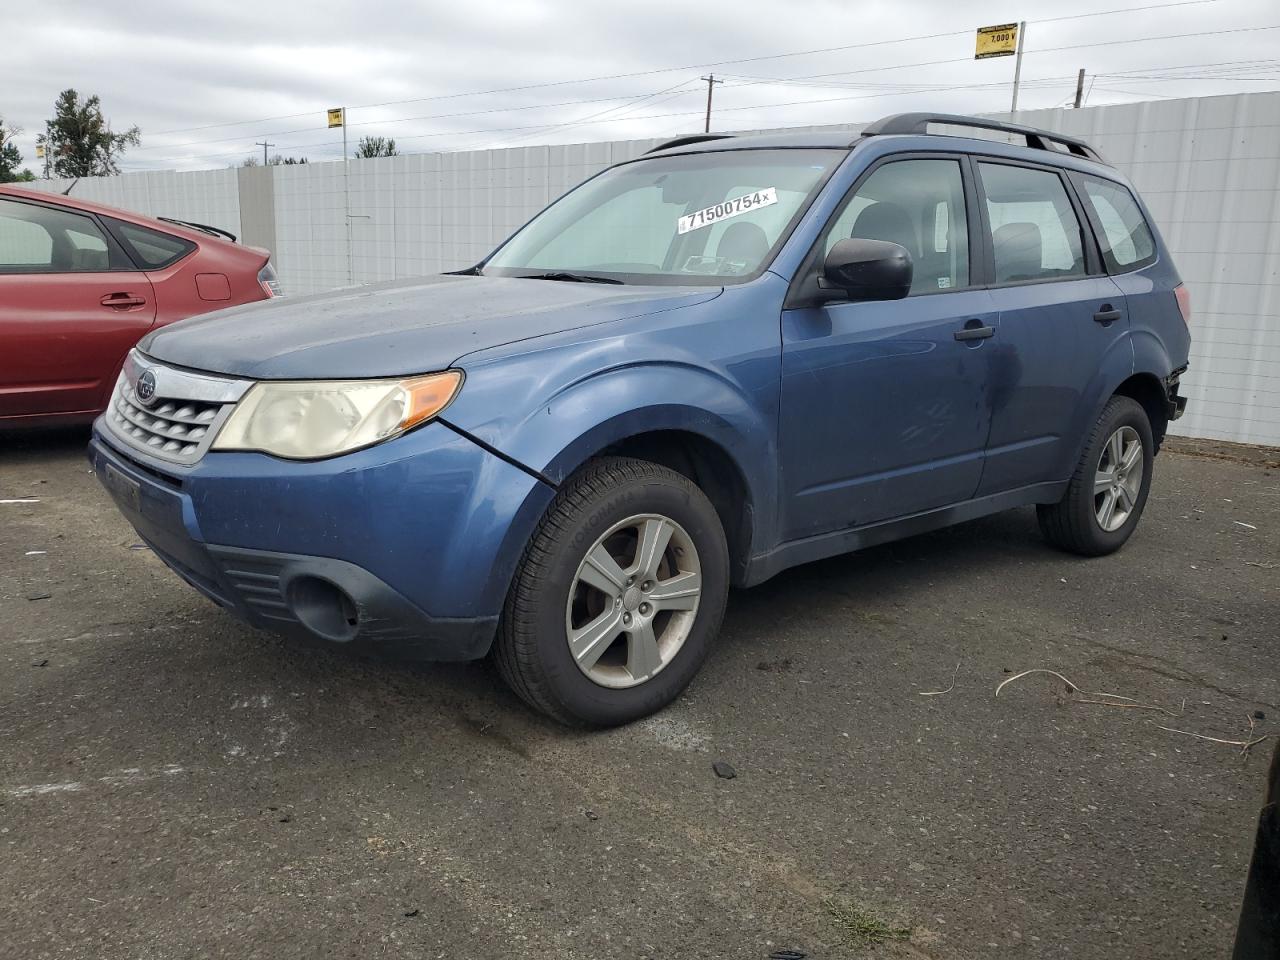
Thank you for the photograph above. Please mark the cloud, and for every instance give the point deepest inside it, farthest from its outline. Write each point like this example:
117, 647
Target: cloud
206, 81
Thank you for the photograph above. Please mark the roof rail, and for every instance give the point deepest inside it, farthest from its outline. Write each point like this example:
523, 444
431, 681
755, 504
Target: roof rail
907, 123
685, 141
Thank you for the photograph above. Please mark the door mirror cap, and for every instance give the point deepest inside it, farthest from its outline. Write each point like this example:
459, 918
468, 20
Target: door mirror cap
858, 269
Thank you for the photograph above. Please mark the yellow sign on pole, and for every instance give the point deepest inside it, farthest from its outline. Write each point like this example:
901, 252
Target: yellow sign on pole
39, 152
337, 117
997, 41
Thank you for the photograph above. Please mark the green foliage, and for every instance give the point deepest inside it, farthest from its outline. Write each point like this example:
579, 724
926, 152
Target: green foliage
860, 926
82, 141
10, 156
376, 147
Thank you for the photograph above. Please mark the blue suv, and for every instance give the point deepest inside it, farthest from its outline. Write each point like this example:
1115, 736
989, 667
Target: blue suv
697, 369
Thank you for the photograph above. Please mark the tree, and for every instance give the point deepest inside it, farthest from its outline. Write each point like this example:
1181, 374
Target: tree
82, 141
376, 147
276, 161
10, 157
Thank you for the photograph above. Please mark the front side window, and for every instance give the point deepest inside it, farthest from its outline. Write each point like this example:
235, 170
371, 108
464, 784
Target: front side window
1126, 238
1035, 234
39, 239
917, 204
702, 218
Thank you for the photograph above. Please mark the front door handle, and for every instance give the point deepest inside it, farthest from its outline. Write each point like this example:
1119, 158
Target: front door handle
1107, 315
123, 301
975, 330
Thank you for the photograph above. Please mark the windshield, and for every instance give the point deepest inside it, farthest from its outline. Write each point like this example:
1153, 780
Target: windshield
705, 218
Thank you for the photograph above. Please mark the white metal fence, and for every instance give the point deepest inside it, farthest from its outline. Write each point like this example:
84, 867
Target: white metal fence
1209, 168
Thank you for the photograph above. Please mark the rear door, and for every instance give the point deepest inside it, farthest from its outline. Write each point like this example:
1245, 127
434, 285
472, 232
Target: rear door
1061, 319
71, 306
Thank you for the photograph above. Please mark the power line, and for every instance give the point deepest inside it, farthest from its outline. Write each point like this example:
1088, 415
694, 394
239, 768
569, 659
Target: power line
696, 66
915, 89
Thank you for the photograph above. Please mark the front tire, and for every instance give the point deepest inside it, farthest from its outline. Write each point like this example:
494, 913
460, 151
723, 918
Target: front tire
618, 595
1107, 492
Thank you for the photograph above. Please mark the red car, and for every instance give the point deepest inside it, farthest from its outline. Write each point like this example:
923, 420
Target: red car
81, 282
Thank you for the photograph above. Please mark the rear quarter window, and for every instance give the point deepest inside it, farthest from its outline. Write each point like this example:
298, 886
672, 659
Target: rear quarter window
151, 249
1124, 234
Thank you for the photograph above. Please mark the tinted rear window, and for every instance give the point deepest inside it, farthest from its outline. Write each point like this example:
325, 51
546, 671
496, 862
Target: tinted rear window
151, 248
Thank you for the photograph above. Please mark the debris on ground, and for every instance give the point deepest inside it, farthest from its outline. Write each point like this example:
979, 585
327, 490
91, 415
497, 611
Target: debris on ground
36, 553
723, 770
938, 693
412, 913
1099, 699
1076, 695
39, 596
22, 500
40, 663
592, 815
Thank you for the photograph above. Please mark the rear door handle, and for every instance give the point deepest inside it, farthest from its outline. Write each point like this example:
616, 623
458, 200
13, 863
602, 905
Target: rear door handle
1107, 315
122, 301
975, 330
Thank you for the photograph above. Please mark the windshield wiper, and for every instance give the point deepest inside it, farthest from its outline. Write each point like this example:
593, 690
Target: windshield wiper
574, 277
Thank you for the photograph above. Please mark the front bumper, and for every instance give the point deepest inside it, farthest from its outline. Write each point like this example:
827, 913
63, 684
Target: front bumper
405, 548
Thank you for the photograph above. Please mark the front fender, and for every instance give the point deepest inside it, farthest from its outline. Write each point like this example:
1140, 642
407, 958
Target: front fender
710, 370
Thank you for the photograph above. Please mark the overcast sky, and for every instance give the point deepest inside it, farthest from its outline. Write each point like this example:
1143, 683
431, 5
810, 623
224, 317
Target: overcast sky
204, 81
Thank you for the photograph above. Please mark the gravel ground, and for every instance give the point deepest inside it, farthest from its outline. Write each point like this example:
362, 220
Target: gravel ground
175, 784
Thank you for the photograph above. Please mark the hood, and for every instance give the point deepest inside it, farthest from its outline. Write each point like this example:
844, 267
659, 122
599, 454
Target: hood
397, 329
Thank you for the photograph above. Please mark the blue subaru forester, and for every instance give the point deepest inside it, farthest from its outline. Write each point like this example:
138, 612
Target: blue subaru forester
727, 357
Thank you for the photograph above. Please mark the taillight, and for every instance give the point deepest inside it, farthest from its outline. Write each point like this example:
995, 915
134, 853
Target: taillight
1183, 296
267, 277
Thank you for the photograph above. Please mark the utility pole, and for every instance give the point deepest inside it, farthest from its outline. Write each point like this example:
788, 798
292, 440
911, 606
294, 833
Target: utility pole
711, 85
263, 144
1079, 87
1017, 64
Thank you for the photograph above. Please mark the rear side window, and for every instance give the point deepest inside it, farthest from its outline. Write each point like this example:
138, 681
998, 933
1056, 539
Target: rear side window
1035, 234
39, 239
1127, 242
151, 249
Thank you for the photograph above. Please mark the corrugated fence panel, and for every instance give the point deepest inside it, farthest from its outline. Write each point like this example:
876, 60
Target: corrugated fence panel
1208, 168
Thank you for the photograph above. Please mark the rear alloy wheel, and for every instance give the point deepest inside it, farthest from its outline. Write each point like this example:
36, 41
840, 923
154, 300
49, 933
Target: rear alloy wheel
617, 597
1107, 491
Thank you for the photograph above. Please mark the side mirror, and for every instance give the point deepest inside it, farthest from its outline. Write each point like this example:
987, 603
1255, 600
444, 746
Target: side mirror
858, 269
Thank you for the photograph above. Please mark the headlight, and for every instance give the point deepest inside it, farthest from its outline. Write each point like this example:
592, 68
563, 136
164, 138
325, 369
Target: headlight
310, 420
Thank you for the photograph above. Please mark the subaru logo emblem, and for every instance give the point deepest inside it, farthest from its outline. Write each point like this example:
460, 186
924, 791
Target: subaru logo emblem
146, 387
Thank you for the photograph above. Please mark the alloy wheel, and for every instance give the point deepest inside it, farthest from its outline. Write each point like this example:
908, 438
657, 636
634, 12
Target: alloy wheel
633, 601
1118, 480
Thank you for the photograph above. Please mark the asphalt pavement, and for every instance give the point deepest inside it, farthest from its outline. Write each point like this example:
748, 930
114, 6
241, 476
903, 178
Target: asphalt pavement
175, 784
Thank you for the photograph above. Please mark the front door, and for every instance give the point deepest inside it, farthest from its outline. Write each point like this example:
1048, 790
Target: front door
885, 410
71, 307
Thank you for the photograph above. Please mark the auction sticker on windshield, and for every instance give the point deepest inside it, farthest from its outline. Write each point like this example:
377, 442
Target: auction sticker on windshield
730, 208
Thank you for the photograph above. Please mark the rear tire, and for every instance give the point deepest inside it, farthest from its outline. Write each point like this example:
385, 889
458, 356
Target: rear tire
1108, 490
617, 597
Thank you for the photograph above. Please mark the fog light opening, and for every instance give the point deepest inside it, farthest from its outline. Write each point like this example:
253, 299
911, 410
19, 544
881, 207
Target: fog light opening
324, 609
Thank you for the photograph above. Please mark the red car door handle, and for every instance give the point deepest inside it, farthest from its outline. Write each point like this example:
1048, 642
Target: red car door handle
121, 301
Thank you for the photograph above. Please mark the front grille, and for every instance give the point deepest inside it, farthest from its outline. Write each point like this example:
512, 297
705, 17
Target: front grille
173, 427
181, 416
